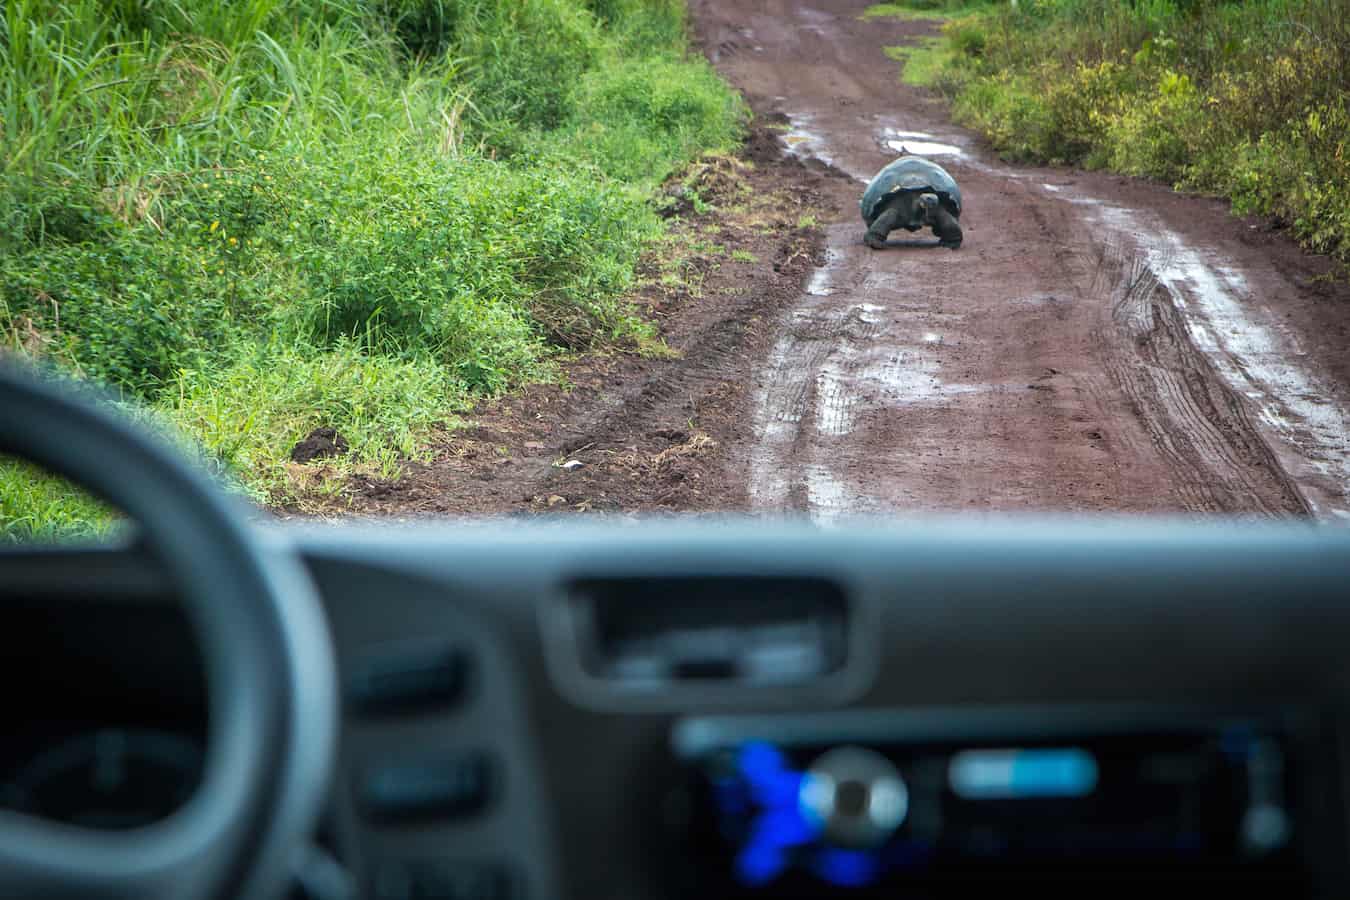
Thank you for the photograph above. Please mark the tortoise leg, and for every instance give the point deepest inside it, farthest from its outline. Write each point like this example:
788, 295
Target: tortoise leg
882, 226
947, 229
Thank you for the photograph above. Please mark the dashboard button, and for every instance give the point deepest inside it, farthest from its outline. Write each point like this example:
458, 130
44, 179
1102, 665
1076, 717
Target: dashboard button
406, 679
444, 881
436, 787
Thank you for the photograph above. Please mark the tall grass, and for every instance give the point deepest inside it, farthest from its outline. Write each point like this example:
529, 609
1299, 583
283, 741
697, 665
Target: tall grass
1245, 100
337, 212
38, 506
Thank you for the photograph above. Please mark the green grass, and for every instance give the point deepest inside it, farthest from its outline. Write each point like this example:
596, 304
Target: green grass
1249, 101
922, 9
39, 507
259, 217
902, 11
924, 62
250, 414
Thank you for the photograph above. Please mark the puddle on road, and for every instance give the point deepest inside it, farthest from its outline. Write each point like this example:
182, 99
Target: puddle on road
818, 21
829, 500
920, 143
1071, 196
821, 283
924, 143
925, 148
830, 366
805, 143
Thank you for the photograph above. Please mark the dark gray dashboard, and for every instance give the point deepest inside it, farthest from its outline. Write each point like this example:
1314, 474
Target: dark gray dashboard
525, 702
1026, 618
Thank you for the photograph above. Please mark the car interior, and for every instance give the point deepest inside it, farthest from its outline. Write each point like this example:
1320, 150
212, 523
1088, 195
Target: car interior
214, 706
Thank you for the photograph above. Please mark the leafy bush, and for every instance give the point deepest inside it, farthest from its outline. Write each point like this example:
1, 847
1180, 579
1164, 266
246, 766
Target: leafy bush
968, 37
638, 118
1153, 135
524, 59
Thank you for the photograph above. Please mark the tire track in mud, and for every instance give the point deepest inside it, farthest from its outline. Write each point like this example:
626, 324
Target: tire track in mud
1198, 423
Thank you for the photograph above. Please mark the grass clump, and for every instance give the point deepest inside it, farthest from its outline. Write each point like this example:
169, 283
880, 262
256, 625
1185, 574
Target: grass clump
38, 506
922, 61
920, 9
264, 216
1245, 100
250, 414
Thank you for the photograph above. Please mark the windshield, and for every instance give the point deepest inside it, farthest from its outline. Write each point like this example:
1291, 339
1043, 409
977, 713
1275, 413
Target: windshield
415, 258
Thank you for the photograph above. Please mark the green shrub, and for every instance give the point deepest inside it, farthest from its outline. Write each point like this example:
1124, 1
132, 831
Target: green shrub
1154, 135
639, 118
425, 29
524, 58
968, 38
643, 25
1301, 176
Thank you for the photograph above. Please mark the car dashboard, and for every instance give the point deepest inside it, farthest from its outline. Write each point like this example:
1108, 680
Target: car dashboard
751, 709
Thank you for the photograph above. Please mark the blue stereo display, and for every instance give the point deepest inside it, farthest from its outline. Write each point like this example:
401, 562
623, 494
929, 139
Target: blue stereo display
790, 818
1015, 774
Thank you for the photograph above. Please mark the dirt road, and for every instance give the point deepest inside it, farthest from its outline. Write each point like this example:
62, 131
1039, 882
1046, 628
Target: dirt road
1097, 344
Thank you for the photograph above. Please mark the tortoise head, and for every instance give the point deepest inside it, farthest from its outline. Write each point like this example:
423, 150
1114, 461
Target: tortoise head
929, 202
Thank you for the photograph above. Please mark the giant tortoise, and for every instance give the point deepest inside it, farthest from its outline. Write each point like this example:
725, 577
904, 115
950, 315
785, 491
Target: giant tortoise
912, 193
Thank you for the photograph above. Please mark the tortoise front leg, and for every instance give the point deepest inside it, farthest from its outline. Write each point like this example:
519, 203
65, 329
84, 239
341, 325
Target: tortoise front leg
947, 229
882, 226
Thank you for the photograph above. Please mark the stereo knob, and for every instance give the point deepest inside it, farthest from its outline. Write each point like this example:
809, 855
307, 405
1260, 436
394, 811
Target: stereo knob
856, 795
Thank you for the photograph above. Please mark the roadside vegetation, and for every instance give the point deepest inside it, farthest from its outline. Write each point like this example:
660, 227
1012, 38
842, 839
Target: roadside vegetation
1246, 100
259, 217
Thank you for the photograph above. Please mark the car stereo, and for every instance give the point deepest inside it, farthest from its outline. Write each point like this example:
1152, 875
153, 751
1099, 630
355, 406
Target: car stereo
862, 804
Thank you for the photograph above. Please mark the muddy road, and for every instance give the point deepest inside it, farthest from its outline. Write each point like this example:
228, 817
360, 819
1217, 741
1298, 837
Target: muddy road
1097, 344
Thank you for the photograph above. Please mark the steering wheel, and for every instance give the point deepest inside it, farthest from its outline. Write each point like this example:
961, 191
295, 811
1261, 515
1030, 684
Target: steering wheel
268, 661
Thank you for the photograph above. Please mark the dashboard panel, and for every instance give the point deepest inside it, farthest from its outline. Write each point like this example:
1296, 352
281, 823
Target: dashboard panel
760, 710
1159, 639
